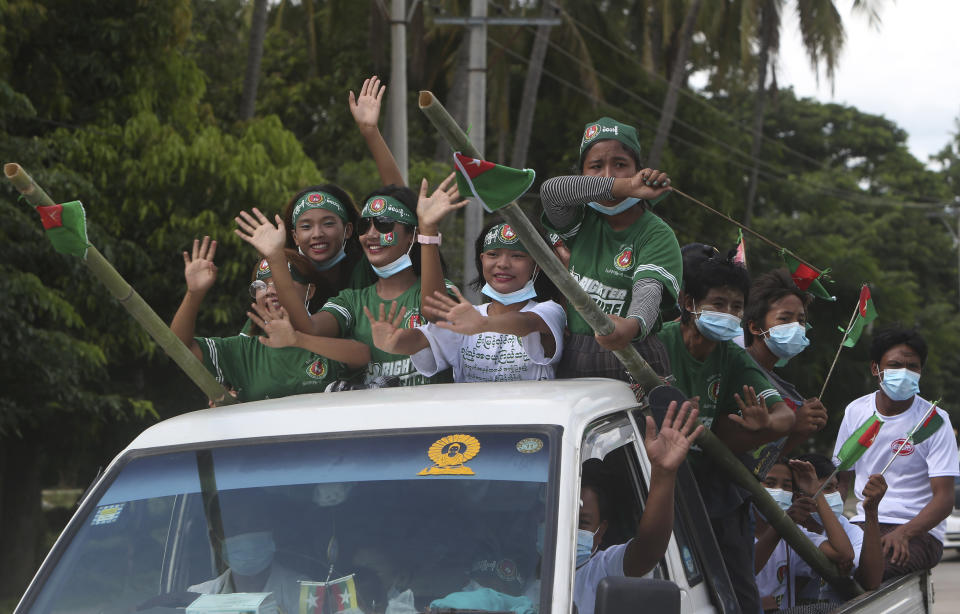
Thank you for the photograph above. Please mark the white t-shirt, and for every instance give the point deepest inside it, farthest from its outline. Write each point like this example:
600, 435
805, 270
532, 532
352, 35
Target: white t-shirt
908, 478
493, 357
603, 563
823, 591
778, 578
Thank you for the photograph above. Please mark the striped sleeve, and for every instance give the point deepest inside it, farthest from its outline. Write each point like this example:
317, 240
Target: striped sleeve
341, 308
563, 200
645, 303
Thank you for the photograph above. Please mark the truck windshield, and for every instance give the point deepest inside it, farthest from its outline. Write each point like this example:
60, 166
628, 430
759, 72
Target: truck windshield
395, 524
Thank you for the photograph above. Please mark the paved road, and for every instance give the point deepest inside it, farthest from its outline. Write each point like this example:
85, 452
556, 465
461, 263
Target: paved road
946, 584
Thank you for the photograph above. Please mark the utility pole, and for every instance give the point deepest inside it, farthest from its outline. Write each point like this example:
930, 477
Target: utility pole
476, 112
397, 96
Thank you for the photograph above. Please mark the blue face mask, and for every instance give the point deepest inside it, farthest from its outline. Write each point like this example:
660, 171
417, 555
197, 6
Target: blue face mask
900, 384
787, 340
783, 498
250, 553
584, 546
524, 294
326, 266
717, 325
620, 207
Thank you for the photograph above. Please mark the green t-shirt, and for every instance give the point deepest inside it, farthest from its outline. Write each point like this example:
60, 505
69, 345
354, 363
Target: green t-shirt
347, 308
725, 371
259, 372
606, 262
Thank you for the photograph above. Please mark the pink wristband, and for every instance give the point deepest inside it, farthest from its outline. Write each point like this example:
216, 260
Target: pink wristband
429, 240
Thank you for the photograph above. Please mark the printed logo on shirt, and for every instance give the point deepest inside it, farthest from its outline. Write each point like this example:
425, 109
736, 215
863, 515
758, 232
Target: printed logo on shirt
608, 299
507, 235
591, 132
263, 268
713, 387
907, 447
624, 260
414, 320
317, 369
377, 205
315, 198
781, 574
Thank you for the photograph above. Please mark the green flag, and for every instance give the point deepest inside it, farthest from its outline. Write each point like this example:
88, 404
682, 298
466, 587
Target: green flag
66, 227
495, 186
805, 277
930, 426
855, 445
866, 313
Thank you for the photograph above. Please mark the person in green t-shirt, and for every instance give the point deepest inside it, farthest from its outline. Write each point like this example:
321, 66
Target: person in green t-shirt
624, 256
249, 365
735, 399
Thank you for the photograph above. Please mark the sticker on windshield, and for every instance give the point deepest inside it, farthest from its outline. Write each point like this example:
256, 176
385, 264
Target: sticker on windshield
450, 455
529, 445
107, 514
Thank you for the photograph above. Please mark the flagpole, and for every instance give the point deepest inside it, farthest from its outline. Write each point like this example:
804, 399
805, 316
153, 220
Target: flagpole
909, 436
836, 470
748, 229
846, 333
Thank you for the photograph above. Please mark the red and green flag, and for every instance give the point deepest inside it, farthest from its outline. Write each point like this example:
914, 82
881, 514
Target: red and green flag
806, 278
740, 255
866, 313
331, 597
495, 186
858, 443
66, 227
930, 425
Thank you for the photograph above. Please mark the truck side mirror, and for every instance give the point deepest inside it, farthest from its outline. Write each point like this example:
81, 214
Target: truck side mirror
621, 595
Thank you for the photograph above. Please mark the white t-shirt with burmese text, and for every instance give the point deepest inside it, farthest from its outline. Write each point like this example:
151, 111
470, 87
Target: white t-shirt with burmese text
908, 478
493, 357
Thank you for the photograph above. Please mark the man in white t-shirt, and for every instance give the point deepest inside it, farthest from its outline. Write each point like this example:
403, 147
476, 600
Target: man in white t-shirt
919, 493
666, 451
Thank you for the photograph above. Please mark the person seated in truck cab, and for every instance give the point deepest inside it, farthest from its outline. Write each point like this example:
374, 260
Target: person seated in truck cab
639, 555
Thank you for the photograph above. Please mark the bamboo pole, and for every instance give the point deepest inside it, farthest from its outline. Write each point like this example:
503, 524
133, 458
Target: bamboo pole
128, 297
717, 451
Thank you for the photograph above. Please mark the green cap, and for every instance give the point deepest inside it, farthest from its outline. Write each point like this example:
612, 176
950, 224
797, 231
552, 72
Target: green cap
502, 236
388, 206
264, 272
607, 128
320, 200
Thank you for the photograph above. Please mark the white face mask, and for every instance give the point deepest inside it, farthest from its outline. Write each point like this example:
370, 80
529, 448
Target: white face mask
835, 501
783, 498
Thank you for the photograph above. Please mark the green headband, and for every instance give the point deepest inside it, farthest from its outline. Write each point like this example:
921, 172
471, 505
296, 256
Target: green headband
264, 272
502, 236
319, 200
388, 206
606, 128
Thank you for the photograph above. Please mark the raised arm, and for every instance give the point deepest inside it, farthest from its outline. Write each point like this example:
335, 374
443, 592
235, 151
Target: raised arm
200, 273
430, 212
870, 571
280, 333
837, 547
757, 425
365, 109
389, 337
666, 451
564, 197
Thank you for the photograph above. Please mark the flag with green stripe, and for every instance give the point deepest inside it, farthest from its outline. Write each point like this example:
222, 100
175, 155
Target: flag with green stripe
866, 313
858, 443
930, 426
806, 278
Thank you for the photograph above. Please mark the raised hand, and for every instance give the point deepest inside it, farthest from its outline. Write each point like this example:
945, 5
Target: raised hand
198, 268
432, 209
649, 183
801, 508
458, 315
811, 417
385, 329
873, 492
804, 478
257, 230
667, 449
754, 415
366, 107
275, 323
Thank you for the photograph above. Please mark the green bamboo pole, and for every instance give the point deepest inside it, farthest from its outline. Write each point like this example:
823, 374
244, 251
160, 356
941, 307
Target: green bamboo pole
128, 297
716, 450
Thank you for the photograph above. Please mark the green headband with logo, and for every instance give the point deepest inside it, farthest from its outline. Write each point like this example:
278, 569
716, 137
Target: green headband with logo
502, 236
388, 206
264, 272
607, 128
319, 200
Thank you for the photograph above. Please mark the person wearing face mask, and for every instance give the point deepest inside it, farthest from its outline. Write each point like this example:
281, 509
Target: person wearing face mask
782, 575
774, 330
736, 400
253, 366
510, 338
920, 481
625, 257
666, 451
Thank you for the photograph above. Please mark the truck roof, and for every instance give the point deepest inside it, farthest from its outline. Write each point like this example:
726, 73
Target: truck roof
567, 403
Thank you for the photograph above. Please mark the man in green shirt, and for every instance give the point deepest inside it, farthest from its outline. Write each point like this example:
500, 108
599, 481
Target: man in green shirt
736, 401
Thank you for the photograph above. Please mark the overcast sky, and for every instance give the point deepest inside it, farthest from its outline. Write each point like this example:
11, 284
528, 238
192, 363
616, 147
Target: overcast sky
908, 71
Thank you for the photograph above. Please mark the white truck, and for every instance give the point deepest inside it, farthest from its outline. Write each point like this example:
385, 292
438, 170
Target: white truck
387, 501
